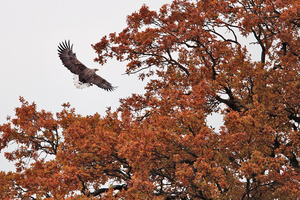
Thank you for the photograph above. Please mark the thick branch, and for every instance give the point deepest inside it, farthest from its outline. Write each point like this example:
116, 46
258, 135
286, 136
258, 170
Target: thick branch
178, 64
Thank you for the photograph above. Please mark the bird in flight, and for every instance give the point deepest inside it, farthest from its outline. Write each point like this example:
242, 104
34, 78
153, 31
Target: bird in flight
84, 76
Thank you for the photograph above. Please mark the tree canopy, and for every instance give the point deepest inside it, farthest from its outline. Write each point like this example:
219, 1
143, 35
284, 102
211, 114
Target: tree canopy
158, 145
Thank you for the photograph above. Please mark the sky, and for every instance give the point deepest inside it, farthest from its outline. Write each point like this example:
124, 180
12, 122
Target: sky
30, 67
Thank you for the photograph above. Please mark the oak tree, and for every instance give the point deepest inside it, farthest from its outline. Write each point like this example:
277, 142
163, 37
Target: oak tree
158, 145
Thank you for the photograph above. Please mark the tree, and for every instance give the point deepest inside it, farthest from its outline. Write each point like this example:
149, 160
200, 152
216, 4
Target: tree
158, 145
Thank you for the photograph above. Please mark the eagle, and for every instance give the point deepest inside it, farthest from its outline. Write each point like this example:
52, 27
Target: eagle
84, 76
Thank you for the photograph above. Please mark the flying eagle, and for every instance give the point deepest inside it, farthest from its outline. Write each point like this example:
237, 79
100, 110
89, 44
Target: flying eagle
84, 77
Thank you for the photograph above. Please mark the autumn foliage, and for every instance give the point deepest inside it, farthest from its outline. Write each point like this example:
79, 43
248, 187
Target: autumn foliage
158, 145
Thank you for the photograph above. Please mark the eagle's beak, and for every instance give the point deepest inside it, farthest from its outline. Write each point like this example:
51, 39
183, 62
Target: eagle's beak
96, 69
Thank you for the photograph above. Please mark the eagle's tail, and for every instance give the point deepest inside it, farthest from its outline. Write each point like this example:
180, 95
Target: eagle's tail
80, 85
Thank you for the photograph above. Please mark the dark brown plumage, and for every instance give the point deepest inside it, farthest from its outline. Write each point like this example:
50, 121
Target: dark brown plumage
84, 77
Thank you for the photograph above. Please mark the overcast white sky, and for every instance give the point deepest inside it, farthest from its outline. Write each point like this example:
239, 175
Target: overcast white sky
30, 67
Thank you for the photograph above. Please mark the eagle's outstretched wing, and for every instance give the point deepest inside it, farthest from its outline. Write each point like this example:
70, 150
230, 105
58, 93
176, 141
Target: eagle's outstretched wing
101, 82
69, 59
